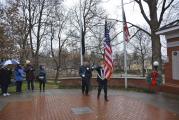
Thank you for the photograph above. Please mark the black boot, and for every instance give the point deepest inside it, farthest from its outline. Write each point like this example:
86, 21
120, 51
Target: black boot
106, 98
99, 91
86, 93
98, 96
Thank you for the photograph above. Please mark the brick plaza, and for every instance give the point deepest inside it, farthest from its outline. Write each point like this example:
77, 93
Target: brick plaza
59, 105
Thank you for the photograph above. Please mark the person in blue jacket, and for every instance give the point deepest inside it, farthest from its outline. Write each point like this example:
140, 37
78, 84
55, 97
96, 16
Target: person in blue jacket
19, 76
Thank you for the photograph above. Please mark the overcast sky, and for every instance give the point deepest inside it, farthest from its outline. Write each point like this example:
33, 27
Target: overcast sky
113, 8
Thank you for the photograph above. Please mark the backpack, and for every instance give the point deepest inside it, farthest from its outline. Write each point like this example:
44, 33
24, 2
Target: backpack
41, 75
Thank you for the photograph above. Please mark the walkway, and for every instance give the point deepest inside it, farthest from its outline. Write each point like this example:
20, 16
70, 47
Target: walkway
71, 105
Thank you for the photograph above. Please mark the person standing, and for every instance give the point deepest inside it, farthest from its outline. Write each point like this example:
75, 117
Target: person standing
5, 77
9, 76
42, 77
19, 74
30, 75
102, 82
85, 73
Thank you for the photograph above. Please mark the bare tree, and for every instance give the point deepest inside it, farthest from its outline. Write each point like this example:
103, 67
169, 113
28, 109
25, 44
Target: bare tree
59, 20
40, 31
157, 9
172, 13
39, 14
142, 48
23, 30
91, 17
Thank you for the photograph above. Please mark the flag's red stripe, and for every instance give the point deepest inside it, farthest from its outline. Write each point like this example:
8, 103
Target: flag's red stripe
109, 66
126, 31
108, 62
108, 58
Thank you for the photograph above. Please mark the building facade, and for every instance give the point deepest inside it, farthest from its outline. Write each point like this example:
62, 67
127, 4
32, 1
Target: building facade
171, 32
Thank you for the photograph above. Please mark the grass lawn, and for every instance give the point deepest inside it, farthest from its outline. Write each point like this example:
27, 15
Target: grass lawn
49, 85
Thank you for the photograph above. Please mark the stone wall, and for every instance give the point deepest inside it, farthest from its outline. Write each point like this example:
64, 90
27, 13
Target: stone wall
114, 82
119, 82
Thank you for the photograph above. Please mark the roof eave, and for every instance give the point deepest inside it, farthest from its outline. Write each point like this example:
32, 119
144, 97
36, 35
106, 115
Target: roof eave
167, 30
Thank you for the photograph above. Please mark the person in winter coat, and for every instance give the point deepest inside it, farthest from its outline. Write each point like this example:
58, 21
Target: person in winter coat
5, 78
85, 73
102, 82
42, 77
19, 74
30, 75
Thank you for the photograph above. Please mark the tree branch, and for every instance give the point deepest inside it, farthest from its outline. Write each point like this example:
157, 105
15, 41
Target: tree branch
137, 27
164, 9
142, 11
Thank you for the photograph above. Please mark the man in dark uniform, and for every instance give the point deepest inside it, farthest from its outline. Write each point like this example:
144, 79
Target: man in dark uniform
85, 73
102, 82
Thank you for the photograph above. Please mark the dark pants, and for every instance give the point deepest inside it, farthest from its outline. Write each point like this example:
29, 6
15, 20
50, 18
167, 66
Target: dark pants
4, 87
42, 84
30, 83
19, 86
85, 86
102, 84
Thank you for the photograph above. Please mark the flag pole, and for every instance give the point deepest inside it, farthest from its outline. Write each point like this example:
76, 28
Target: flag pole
81, 50
125, 54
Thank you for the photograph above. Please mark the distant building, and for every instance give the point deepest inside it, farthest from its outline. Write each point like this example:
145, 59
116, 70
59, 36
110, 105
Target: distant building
171, 32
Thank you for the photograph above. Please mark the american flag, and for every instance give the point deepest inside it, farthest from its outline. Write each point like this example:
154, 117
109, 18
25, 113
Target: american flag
108, 62
126, 31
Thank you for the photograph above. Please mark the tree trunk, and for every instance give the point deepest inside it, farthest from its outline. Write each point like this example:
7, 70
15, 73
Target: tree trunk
56, 75
156, 50
36, 63
143, 71
154, 25
23, 53
22, 56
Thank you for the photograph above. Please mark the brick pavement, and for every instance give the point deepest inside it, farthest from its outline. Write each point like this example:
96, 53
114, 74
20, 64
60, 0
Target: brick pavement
58, 107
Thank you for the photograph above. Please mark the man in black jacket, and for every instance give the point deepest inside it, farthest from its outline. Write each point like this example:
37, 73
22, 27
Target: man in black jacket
85, 73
